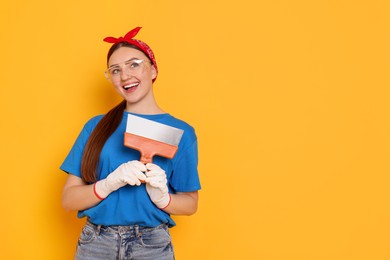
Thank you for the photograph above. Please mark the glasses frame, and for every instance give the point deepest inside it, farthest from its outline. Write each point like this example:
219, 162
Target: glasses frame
125, 68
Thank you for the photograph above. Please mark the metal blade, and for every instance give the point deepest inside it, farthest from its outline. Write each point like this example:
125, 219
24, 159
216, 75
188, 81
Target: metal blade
156, 131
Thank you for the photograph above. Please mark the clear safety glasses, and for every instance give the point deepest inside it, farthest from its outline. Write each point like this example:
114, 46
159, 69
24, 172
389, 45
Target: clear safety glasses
132, 67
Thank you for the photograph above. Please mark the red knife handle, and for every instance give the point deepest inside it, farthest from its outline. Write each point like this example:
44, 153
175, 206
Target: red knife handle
149, 147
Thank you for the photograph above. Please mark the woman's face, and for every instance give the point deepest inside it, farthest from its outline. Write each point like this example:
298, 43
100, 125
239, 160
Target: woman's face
132, 74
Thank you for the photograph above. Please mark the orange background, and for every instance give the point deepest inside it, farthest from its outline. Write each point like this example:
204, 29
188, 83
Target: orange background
289, 100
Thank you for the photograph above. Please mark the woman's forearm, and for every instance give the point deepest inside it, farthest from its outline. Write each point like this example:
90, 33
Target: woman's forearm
185, 203
77, 195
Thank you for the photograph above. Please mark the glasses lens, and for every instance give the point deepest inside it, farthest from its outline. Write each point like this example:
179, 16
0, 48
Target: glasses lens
131, 67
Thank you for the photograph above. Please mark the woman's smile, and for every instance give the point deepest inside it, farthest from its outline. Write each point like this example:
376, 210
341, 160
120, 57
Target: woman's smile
131, 87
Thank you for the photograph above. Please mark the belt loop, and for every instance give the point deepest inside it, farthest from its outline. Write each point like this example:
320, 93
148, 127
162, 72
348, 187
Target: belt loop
97, 229
136, 231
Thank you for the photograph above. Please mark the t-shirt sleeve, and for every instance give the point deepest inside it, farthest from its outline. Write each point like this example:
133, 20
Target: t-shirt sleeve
72, 162
185, 177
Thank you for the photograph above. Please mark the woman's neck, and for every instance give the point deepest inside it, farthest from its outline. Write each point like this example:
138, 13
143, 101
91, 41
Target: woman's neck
151, 109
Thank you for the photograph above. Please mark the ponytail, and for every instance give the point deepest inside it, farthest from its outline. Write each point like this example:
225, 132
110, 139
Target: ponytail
107, 125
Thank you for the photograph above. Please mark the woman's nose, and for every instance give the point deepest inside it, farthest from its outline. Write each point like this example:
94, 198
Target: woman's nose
125, 74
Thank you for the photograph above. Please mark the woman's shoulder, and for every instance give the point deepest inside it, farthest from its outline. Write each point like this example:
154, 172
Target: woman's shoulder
92, 122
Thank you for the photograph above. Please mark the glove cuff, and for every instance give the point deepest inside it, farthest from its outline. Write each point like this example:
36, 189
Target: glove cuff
100, 190
164, 202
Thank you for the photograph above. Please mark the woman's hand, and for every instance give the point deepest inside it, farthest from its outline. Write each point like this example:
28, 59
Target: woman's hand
131, 173
78, 195
156, 186
180, 203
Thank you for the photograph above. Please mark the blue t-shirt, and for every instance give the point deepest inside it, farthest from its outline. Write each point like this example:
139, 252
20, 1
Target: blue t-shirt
131, 205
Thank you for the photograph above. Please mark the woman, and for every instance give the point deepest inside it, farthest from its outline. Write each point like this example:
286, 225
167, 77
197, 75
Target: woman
127, 203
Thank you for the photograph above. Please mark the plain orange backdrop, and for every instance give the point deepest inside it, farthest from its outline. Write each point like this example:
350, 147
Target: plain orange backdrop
290, 101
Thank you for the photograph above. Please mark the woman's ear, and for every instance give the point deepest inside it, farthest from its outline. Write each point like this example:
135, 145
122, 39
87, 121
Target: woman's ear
154, 72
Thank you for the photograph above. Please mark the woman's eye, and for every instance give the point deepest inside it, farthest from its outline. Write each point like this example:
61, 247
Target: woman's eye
134, 64
115, 71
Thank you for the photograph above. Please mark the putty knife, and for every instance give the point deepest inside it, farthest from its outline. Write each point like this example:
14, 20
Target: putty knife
151, 138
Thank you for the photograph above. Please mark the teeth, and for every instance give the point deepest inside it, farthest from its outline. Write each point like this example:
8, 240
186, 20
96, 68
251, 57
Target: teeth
131, 85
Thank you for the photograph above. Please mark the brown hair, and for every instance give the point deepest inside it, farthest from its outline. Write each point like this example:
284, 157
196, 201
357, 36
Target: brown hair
103, 130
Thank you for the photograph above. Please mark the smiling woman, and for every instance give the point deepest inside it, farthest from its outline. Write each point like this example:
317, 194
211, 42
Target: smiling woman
121, 196
131, 67
135, 84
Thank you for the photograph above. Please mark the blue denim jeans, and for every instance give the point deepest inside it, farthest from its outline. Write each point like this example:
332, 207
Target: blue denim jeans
124, 242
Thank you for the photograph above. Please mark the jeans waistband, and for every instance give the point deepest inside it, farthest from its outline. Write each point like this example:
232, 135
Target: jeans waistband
116, 229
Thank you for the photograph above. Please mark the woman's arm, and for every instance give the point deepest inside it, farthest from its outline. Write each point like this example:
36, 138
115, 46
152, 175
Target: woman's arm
77, 195
183, 203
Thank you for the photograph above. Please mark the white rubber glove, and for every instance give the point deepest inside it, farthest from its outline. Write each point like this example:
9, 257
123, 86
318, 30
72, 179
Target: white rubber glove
156, 186
131, 173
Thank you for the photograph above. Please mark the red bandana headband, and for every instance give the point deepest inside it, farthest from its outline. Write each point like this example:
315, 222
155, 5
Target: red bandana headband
140, 44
